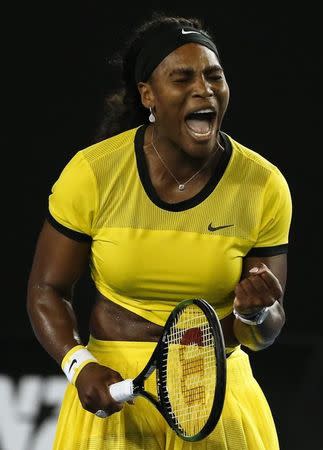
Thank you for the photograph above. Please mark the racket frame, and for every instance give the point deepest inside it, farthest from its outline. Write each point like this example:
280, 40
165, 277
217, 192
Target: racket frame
156, 360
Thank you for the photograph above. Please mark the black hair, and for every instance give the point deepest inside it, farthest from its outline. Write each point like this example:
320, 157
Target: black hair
122, 108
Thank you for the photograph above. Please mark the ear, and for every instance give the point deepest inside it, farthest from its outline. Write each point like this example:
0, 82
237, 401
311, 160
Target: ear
146, 94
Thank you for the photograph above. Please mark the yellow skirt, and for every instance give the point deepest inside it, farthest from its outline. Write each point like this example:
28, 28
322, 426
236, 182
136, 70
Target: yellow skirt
246, 422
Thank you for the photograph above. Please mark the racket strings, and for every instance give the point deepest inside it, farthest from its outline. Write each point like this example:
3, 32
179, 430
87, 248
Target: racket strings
189, 370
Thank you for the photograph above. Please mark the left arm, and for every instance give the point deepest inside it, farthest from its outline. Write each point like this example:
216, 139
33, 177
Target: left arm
256, 290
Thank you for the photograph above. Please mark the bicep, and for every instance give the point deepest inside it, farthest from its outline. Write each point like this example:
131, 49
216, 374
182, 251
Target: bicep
59, 261
277, 264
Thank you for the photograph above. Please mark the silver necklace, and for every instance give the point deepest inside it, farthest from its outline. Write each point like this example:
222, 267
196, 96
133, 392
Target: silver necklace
181, 186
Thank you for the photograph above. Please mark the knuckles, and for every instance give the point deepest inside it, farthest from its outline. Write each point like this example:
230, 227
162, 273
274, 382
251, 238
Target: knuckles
257, 291
92, 386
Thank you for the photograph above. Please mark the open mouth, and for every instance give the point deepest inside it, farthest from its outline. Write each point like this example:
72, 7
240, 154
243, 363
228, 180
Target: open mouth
200, 123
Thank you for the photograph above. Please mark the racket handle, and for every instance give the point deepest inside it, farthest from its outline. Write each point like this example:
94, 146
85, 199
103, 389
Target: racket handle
122, 391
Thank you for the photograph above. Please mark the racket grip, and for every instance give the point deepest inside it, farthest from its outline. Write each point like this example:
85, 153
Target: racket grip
122, 391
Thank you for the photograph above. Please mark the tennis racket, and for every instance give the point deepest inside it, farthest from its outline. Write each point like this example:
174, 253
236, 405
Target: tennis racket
190, 366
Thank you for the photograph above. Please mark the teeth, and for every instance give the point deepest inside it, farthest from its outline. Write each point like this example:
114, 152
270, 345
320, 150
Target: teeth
201, 134
209, 110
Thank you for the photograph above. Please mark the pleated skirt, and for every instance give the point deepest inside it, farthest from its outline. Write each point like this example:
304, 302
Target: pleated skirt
246, 421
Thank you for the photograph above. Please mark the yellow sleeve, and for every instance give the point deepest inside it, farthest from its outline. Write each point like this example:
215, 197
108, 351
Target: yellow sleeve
277, 212
73, 198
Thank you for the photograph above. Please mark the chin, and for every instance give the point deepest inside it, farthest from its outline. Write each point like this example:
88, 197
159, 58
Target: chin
200, 144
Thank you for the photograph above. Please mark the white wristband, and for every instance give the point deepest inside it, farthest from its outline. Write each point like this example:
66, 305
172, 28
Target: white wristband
254, 318
74, 360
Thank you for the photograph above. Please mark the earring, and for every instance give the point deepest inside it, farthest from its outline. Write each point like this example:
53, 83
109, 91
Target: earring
152, 118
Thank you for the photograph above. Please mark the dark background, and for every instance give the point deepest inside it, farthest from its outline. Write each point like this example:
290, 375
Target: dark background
54, 76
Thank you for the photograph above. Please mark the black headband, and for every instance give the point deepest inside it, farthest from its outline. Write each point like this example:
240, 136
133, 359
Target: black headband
162, 44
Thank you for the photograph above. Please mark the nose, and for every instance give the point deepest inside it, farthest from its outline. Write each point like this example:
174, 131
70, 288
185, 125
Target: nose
202, 88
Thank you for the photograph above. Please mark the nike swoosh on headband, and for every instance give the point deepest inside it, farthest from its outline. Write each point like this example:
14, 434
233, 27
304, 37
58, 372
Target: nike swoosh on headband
189, 32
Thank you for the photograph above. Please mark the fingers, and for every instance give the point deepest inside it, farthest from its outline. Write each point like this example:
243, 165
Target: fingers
96, 397
272, 282
104, 413
261, 288
93, 390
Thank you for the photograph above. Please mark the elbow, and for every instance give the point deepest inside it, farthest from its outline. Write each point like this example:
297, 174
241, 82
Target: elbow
264, 340
39, 297
35, 296
260, 337
256, 346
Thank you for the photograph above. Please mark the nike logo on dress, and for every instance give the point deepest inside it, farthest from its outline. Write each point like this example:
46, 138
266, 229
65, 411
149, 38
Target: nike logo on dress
72, 364
210, 228
189, 32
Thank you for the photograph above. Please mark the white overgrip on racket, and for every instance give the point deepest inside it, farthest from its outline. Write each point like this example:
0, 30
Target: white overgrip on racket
122, 391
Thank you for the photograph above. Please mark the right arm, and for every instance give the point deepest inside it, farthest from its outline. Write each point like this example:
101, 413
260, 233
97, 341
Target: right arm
58, 264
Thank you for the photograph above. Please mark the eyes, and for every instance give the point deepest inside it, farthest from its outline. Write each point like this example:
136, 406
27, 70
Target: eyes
211, 78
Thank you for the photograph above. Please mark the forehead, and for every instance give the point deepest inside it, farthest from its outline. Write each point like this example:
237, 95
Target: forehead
191, 55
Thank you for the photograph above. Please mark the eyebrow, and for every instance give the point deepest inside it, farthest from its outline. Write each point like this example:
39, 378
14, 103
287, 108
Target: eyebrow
191, 71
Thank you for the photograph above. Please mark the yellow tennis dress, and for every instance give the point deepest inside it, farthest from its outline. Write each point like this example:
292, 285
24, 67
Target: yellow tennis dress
147, 255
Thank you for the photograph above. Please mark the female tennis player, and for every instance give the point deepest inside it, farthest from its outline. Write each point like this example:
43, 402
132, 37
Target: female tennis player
165, 206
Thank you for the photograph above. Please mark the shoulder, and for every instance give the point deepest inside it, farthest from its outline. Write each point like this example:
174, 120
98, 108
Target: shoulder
86, 165
88, 162
243, 152
254, 164
108, 147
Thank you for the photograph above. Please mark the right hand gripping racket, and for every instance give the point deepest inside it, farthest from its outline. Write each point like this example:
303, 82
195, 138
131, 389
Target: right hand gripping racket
190, 366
